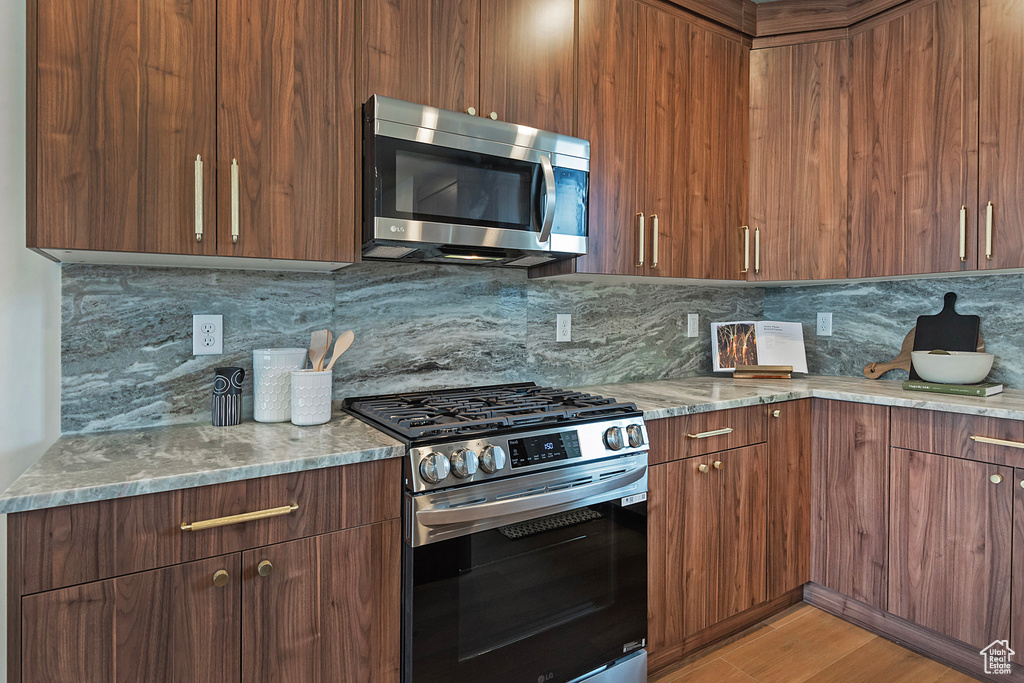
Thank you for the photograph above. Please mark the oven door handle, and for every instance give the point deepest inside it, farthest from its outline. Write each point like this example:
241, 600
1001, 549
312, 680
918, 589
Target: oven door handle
539, 501
549, 192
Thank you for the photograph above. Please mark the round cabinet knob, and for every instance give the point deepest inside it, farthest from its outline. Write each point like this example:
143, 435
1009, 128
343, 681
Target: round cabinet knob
220, 578
703, 469
613, 439
494, 116
635, 434
471, 111
996, 479
464, 463
493, 459
776, 413
434, 468
719, 464
264, 568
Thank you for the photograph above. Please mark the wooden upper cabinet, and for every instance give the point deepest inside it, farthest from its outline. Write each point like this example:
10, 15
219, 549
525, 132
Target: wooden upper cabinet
913, 140
121, 101
527, 62
799, 122
287, 117
950, 540
170, 625
1001, 164
435, 62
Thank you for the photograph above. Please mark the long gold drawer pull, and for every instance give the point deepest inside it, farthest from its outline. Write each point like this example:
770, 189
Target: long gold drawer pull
963, 233
989, 218
705, 435
654, 240
746, 248
757, 250
239, 519
236, 220
640, 246
997, 442
198, 215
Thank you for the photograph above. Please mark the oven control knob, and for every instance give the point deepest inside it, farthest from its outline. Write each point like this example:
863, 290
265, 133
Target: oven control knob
613, 439
434, 468
635, 435
464, 463
492, 459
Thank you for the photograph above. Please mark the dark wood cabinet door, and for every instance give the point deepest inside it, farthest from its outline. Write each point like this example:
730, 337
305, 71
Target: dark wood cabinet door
913, 140
527, 62
799, 109
1001, 162
849, 499
608, 104
789, 496
1017, 591
288, 118
422, 51
679, 528
328, 609
738, 548
950, 541
170, 625
122, 101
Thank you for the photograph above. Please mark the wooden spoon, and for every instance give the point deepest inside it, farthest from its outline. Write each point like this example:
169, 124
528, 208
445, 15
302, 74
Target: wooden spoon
340, 347
318, 345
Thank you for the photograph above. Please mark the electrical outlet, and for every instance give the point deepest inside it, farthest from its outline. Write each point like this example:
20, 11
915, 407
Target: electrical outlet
824, 324
207, 335
692, 324
563, 327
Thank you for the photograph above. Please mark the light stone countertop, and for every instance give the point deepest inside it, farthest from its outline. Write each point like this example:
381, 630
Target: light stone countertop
91, 467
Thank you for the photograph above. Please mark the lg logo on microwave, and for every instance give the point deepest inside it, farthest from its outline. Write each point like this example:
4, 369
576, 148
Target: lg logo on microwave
397, 228
545, 678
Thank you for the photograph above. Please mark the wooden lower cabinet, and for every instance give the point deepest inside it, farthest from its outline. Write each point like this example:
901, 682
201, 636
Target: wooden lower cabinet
789, 496
171, 624
950, 536
1017, 595
328, 609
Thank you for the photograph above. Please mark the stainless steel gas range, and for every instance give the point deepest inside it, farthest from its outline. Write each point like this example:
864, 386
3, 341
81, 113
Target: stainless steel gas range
525, 526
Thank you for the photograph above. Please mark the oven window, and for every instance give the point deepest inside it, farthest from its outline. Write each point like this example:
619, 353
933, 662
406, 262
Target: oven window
553, 597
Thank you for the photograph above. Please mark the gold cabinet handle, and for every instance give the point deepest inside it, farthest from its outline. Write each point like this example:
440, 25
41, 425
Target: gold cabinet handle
1022, 483
264, 568
719, 464
997, 442
471, 111
703, 469
746, 248
963, 233
235, 202
220, 578
705, 435
757, 250
654, 240
198, 220
493, 116
989, 219
996, 479
640, 239
776, 413
239, 519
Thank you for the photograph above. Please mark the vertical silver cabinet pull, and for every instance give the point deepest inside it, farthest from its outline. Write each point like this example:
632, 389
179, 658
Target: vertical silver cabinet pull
989, 217
963, 233
654, 240
234, 201
746, 249
199, 199
757, 250
640, 246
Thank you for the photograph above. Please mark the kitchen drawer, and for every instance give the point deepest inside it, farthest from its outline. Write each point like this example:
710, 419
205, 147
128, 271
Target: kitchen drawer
960, 436
91, 541
683, 437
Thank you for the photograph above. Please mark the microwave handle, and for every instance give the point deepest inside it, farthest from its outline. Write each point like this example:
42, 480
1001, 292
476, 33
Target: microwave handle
549, 189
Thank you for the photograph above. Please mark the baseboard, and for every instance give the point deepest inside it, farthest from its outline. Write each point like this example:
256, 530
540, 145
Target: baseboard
953, 653
669, 656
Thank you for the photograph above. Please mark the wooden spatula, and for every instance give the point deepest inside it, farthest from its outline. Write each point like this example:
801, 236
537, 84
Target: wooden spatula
319, 342
902, 361
340, 347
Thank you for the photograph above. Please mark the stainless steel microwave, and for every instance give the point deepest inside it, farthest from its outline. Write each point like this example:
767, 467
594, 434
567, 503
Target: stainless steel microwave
446, 187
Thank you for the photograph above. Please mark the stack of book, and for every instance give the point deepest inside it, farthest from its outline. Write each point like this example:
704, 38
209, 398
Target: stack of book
763, 372
983, 389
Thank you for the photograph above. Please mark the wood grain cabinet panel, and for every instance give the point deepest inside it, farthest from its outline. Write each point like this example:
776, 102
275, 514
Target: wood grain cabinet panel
123, 100
913, 140
1017, 569
789, 496
950, 544
674, 438
931, 431
1001, 162
169, 624
849, 499
799, 121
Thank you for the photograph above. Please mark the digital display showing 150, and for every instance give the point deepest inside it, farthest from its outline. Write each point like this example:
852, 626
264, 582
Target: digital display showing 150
538, 450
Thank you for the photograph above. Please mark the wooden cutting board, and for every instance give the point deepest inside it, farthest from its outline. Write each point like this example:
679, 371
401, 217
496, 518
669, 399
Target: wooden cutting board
946, 330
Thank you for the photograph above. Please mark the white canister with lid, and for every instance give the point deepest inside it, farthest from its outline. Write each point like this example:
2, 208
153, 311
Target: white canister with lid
272, 382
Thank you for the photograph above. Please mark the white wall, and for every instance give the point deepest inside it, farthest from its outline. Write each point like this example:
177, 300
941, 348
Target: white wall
29, 299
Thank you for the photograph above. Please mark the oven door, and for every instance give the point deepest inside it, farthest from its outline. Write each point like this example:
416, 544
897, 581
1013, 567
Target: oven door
478, 195
548, 596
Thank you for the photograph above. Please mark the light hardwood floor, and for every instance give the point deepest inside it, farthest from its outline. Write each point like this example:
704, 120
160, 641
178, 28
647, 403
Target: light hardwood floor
802, 644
